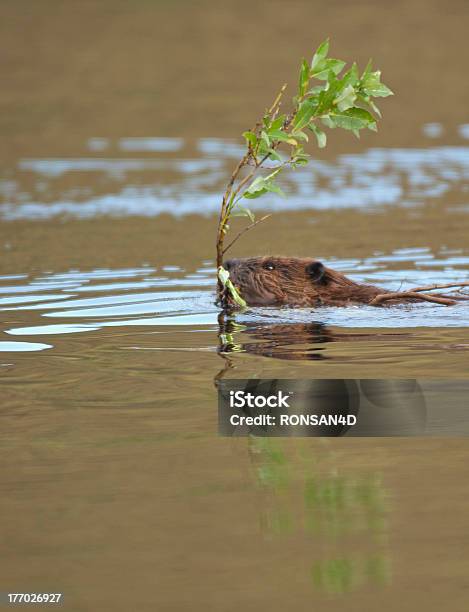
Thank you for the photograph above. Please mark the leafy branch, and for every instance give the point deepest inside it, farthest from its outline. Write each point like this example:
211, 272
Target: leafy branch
326, 97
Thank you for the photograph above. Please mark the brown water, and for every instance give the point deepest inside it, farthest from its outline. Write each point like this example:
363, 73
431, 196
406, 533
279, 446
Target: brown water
119, 125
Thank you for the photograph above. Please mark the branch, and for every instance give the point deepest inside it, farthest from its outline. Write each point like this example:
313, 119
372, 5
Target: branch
446, 300
440, 286
273, 110
223, 210
384, 297
243, 231
460, 297
245, 180
231, 182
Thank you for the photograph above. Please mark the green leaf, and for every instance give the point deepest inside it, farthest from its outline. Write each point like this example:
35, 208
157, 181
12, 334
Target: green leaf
327, 121
320, 135
223, 275
367, 70
346, 98
273, 174
304, 77
299, 135
277, 124
251, 139
327, 96
282, 136
261, 185
299, 152
374, 107
336, 65
323, 68
305, 113
261, 189
253, 195
265, 138
380, 90
372, 86
274, 155
351, 77
242, 211
275, 189
353, 119
367, 101
255, 189
314, 91
300, 161
321, 54
262, 149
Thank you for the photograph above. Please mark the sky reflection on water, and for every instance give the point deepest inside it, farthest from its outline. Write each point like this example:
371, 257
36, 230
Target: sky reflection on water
188, 299
158, 182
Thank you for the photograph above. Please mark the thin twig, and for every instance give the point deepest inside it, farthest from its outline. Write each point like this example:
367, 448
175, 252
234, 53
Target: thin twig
273, 110
440, 286
244, 230
452, 296
251, 175
233, 190
393, 295
245, 180
226, 197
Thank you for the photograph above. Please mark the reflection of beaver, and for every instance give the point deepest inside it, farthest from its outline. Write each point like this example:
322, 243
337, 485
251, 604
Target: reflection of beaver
387, 407
275, 281
290, 341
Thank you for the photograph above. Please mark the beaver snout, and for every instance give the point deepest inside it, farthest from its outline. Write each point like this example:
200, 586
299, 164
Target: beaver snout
229, 264
232, 266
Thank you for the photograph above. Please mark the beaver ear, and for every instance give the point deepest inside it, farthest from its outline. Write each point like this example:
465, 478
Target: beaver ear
316, 271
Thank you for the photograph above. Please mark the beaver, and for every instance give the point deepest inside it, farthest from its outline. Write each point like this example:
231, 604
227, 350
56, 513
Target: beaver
292, 281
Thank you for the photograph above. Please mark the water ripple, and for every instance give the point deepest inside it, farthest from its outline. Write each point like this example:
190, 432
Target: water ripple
43, 188
187, 299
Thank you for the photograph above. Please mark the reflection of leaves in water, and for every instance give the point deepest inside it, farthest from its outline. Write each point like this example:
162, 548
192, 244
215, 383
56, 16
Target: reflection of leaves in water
378, 569
328, 493
273, 472
278, 521
334, 575
333, 506
337, 505
340, 575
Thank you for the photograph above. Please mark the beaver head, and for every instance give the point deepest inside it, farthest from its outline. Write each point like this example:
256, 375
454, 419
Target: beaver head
292, 281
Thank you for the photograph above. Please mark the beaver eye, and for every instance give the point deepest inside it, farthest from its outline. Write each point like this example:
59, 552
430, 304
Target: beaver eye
269, 266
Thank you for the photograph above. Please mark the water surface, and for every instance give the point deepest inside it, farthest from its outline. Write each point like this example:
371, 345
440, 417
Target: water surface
119, 125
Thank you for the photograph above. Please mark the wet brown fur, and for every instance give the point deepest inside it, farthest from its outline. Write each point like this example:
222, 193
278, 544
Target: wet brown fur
291, 281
